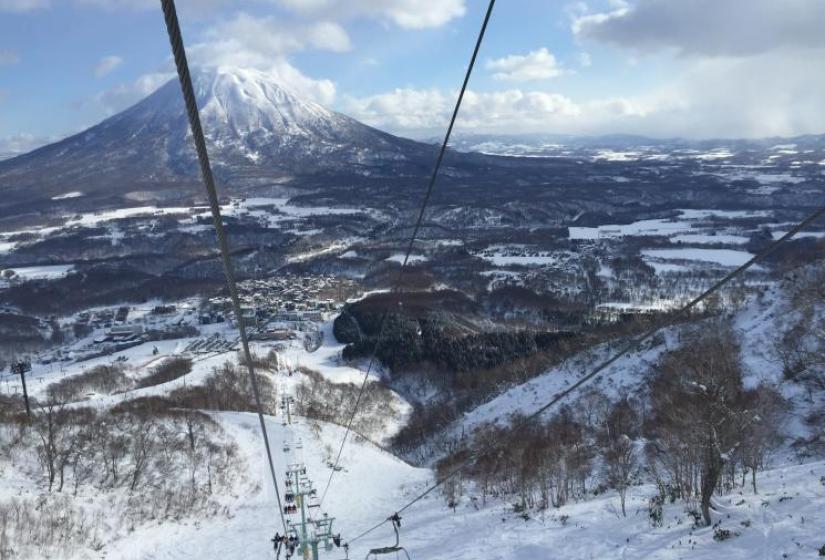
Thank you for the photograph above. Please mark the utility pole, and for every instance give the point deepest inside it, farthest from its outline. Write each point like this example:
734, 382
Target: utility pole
21, 368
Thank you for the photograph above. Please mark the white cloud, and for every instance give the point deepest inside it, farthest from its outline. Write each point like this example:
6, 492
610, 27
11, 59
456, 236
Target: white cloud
737, 68
535, 65
246, 41
734, 97
191, 7
243, 41
19, 6
22, 143
585, 60
410, 14
121, 96
706, 27
401, 109
263, 43
106, 65
428, 111
8, 58
321, 91
741, 104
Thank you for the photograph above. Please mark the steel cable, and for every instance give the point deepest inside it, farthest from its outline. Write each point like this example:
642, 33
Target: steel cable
176, 41
424, 203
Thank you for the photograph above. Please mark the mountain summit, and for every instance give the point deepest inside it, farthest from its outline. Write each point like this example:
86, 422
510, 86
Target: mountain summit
245, 113
256, 131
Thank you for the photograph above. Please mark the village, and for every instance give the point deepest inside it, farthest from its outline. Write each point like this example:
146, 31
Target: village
274, 309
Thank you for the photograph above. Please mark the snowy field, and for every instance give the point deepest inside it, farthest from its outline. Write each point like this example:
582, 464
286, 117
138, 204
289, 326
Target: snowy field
687, 223
722, 257
46, 272
72, 194
523, 255
399, 258
709, 239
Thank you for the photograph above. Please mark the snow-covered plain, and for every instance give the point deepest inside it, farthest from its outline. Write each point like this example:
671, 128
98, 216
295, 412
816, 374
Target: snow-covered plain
65, 196
681, 226
723, 257
399, 258
46, 272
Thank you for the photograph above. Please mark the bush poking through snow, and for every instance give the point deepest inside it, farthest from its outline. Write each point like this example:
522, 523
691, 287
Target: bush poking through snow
46, 527
720, 534
137, 462
168, 370
319, 399
703, 420
227, 388
133, 448
268, 362
655, 510
105, 379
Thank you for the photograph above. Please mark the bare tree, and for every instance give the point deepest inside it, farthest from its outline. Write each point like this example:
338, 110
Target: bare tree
620, 466
143, 440
50, 424
763, 433
699, 409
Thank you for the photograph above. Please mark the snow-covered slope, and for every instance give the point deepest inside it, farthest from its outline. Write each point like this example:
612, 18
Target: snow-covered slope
372, 482
780, 520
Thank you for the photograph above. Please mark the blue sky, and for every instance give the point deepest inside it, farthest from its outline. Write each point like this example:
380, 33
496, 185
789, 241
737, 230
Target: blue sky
658, 67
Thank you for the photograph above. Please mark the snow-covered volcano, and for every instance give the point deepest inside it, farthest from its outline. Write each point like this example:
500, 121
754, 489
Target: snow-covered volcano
257, 130
246, 114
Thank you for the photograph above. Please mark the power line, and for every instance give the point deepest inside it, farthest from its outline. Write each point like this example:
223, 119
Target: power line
424, 203
176, 41
629, 347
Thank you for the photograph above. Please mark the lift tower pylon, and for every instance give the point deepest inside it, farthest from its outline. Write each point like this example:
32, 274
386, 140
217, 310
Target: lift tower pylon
309, 534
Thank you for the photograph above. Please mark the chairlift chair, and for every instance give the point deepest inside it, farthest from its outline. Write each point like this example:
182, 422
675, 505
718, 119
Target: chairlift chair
395, 549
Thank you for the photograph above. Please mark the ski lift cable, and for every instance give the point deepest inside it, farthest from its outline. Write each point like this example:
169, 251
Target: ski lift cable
176, 41
424, 203
632, 345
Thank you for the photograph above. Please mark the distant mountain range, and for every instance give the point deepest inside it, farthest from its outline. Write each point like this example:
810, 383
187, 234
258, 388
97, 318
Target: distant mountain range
563, 144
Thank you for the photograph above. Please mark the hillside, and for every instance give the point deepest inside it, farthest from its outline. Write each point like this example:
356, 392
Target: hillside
235, 517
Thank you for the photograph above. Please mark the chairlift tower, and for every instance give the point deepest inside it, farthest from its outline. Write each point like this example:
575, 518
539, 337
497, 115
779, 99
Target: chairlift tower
20, 367
310, 534
286, 402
